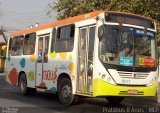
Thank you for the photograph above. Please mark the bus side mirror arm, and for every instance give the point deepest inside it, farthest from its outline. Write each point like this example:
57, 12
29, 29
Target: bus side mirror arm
101, 32
101, 29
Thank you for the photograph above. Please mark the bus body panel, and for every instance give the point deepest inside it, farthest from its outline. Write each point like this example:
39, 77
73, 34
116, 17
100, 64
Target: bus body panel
102, 88
18, 64
132, 78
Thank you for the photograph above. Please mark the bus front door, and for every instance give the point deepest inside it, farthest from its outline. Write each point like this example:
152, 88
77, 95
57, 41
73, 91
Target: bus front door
85, 66
42, 60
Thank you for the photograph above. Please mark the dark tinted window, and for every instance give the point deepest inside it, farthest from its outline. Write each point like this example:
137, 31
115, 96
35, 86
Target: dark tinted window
129, 19
29, 44
53, 39
16, 46
65, 38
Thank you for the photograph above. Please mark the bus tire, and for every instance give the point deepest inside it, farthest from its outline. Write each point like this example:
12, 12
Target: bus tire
114, 99
65, 92
23, 84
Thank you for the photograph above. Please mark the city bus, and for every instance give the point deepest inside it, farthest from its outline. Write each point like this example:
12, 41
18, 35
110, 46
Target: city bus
106, 54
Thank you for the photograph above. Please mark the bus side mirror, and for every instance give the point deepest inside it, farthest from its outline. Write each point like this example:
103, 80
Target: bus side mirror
101, 32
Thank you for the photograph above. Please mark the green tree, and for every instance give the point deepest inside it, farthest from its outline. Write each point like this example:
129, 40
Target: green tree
70, 8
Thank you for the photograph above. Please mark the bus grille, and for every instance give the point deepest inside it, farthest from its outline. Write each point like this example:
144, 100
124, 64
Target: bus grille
133, 75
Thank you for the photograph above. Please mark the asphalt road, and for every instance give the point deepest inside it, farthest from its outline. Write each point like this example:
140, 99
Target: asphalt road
12, 101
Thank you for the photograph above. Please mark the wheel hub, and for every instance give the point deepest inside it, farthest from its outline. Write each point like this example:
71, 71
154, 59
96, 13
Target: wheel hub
66, 91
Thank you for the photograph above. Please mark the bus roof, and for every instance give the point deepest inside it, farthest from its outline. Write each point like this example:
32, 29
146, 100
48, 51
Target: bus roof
69, 21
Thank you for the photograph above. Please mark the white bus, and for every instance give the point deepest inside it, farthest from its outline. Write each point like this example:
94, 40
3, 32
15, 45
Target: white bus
100, 54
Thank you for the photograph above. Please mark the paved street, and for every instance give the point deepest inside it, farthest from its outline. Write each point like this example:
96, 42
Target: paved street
12, 101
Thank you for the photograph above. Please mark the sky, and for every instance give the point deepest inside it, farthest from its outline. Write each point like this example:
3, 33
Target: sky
20, 14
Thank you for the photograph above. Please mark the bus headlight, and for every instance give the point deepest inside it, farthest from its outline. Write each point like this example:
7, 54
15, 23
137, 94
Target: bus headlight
110, 80
107, 79
152, 81
103, 76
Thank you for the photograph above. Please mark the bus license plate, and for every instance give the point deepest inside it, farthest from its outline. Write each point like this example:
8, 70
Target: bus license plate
132, 91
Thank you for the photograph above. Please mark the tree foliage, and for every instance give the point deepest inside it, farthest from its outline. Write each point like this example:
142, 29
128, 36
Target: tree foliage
70, 8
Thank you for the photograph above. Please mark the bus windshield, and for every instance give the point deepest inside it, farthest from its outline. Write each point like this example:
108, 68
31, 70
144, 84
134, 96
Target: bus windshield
128, 46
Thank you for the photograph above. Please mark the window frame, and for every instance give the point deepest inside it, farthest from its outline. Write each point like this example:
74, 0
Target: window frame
34, 33
53, 40
66, 40
11, 47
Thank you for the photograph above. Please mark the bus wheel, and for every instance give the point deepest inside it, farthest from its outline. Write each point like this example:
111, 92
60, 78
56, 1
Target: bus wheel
114, 99
65, 92
23, 84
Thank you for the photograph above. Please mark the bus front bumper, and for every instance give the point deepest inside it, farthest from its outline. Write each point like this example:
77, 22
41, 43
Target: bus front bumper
102, 88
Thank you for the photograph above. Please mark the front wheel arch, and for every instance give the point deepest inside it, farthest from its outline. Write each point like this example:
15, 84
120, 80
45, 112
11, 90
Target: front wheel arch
62, 76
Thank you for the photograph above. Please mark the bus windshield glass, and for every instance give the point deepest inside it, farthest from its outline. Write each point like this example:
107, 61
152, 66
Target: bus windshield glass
128, 46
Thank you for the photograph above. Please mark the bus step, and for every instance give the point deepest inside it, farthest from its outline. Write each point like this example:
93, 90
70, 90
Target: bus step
84, 94
40, 89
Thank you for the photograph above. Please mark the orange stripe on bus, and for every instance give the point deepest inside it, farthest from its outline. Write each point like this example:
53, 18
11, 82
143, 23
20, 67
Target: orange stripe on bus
58, 23
69, 21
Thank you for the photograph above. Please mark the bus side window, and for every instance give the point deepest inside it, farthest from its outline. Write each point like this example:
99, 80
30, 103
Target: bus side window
46, 49
17, 44
10, 51
72, 31
53, 40
65, 38
29, 44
